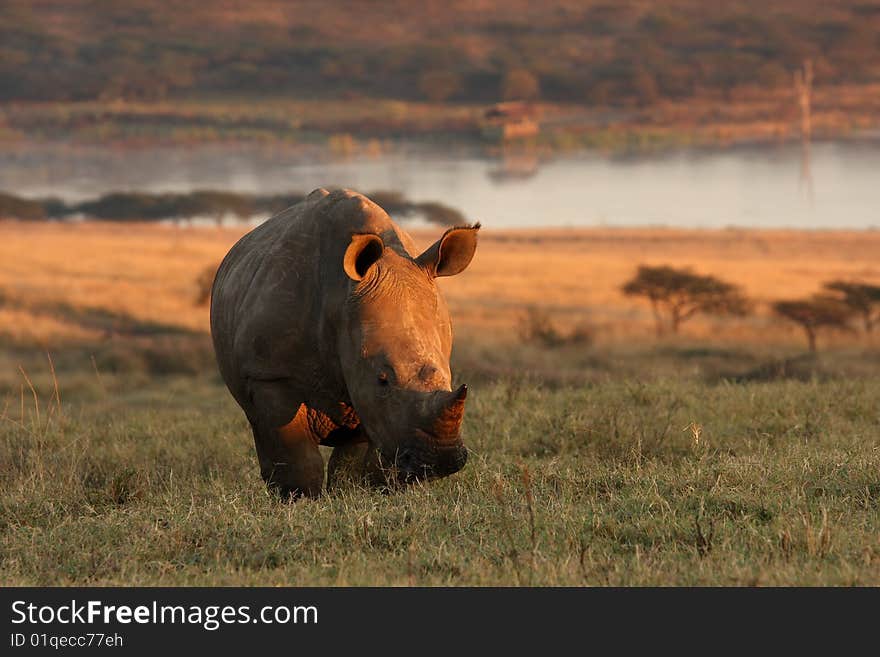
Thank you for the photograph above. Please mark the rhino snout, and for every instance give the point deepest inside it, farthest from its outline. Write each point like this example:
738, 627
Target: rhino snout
417, 463
450, 460
430, 447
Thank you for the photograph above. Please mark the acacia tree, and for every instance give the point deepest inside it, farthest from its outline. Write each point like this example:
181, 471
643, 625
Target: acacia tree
679, 294
864, 300
814, 314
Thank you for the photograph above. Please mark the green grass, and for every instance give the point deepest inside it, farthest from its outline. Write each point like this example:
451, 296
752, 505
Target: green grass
667, 482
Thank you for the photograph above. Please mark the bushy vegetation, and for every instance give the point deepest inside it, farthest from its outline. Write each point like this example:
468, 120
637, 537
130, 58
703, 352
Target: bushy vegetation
140, 206
537, 326
25, 209
597, 52
204, 284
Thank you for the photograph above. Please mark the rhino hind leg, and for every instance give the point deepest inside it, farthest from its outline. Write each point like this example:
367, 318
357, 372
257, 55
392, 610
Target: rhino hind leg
290, 461
352, 456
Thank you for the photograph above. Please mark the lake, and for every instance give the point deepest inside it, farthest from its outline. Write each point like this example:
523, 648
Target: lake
755, 186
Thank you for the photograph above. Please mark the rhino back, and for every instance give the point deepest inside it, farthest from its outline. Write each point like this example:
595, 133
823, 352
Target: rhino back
279, 292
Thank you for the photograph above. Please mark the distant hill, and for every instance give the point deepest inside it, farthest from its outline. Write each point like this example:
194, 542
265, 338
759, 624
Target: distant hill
600, 52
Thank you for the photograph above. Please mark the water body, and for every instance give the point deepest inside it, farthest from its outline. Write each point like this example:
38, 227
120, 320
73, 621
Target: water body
768, 186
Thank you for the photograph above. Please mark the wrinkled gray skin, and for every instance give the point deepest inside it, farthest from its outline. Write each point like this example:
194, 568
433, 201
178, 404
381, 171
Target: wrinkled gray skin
328, 330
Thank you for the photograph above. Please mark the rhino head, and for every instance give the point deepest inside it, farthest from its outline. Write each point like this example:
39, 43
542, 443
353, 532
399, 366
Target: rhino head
395, 343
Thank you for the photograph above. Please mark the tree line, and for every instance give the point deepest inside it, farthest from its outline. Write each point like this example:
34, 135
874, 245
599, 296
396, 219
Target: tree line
139, 206
606, 53
677, 294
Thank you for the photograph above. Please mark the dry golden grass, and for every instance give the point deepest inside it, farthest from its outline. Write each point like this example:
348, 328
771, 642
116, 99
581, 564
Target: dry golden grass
144, 272
53, 277
577, 274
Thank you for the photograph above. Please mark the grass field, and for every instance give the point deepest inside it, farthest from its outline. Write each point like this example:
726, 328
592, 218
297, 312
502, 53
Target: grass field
723, 456
624, 483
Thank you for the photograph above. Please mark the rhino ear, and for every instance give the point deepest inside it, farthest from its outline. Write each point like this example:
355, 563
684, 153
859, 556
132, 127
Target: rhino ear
452, 253
361, 254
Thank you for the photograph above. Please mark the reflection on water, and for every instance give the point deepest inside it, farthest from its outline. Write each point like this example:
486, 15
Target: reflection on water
514, 165
807, 171
756, 186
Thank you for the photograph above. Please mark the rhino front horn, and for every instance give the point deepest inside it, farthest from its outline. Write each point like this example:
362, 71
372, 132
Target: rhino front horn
449, 420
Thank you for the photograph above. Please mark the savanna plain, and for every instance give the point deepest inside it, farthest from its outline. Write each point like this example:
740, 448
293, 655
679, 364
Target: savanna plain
601, 453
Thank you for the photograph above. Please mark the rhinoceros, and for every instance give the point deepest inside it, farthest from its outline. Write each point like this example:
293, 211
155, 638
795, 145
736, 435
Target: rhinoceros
330, 330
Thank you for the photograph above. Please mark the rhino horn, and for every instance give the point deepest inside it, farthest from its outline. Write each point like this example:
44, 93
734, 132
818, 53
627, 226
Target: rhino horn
449, 419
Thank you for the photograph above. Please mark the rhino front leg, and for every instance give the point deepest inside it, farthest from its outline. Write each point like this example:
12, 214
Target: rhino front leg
346, 465
290, 461
357, 462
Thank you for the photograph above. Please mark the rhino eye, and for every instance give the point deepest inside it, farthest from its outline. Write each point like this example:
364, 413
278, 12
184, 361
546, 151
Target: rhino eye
383, 379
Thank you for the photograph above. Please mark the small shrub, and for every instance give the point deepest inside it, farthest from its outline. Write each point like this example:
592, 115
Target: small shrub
536, 326
582, 334
204, 283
